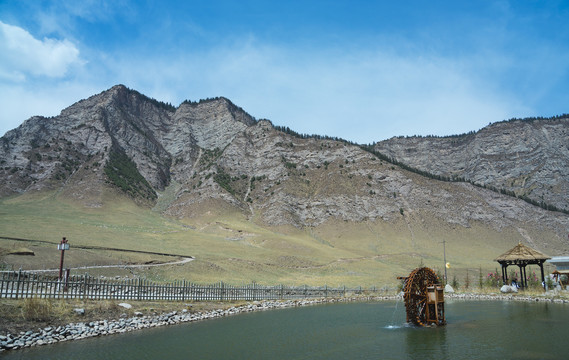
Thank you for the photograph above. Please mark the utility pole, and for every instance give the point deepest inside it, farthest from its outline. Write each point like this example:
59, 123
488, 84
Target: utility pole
445, 260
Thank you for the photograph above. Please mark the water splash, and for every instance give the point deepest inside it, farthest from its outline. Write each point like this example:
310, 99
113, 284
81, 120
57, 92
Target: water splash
392, 321
390, 327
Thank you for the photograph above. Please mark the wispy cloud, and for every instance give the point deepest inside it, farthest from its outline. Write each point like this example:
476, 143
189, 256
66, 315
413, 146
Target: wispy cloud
363, 95
443, 70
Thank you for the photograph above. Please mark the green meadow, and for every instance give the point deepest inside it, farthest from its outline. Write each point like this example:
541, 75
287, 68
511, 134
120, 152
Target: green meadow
231, 249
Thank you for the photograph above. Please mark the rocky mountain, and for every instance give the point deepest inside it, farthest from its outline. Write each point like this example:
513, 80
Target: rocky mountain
526, 158
119, 137
212, 158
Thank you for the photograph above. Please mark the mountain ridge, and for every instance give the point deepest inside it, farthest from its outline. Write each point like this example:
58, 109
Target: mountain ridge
214, 159
524, 158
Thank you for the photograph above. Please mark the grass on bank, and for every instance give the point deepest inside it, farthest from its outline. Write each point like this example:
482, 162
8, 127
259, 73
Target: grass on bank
34, 313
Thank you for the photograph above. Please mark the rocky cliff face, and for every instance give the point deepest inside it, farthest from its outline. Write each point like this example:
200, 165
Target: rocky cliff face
212, 157
529, 158
72, 151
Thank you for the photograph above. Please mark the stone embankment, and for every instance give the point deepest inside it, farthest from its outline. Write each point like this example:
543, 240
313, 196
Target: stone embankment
77, 331
506, 297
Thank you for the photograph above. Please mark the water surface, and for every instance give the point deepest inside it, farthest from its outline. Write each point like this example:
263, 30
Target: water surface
475, 330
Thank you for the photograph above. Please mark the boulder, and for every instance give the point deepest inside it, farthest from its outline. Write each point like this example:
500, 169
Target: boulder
508, 289
449, 289
125, 305
79, 311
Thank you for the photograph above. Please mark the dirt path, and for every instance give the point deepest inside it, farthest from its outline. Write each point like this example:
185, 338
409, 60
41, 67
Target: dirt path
130, 266
184, 258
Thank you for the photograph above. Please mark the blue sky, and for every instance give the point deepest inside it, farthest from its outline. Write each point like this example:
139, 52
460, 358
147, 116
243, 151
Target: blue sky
360, 70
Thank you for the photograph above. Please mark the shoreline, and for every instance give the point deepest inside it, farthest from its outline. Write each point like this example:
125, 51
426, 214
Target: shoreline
82, 330
506, 297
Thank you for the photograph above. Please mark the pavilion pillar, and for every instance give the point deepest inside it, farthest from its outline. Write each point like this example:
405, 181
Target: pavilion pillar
521, 276
542, 276
504, 273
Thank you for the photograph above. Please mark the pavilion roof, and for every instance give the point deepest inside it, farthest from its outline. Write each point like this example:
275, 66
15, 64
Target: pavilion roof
522, 252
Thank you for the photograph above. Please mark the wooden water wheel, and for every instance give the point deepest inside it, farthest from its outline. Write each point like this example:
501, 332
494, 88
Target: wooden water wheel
424, 298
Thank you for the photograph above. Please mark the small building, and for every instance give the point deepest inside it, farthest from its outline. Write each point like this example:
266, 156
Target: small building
522, 256
561, 268
561, 263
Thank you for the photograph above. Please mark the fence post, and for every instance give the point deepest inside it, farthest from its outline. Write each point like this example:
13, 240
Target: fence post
18, 282
326, 291
221, 293
85, 286
138, 289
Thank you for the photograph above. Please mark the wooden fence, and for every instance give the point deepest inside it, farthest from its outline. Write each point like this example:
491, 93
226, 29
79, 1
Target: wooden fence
17, 285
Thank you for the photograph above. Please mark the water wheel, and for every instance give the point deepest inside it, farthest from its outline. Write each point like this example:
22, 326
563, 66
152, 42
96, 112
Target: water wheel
424, 300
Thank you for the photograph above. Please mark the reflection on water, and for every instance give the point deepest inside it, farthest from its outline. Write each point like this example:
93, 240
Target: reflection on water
475, 330
426, 343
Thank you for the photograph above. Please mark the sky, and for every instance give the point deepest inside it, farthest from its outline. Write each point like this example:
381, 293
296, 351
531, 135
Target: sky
363, 71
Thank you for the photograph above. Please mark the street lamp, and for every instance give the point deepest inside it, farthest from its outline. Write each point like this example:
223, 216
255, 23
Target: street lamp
63, 245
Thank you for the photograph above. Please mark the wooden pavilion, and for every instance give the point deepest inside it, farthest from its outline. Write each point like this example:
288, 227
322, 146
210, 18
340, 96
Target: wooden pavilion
522, 256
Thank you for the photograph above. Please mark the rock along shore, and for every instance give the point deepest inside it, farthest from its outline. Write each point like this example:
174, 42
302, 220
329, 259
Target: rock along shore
77, 331
506, 297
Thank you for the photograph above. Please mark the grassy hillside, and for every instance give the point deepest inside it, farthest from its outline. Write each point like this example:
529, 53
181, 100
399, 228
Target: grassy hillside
229, 248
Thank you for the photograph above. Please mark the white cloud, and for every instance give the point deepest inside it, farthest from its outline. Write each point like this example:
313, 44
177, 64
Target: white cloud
24, 55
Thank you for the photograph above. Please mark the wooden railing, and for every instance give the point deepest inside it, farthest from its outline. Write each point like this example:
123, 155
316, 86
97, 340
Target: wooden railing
20, 284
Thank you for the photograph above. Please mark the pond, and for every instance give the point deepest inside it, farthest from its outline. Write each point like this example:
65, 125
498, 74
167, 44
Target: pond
475, 330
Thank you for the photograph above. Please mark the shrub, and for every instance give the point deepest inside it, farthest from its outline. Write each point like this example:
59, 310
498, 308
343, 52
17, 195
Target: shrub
37, 309
493, 279
122, 172
455, 284
224, 179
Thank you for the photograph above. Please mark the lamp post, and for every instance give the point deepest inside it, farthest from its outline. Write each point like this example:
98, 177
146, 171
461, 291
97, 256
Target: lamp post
63, 245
